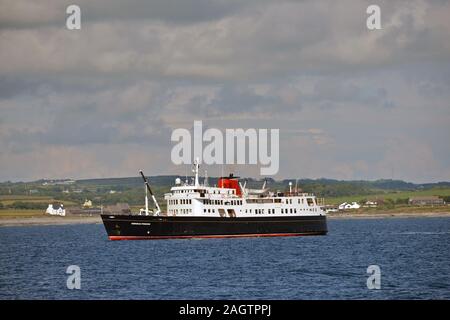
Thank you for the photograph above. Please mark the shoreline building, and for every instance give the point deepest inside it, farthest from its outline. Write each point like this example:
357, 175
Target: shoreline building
426, 201
56, 211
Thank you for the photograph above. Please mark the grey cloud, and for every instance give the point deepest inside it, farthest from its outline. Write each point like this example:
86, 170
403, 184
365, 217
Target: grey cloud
26, 14
259, 40
239, 99
333, 92
135, 71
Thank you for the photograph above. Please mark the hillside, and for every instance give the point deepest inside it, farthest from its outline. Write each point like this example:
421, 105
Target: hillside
36, 195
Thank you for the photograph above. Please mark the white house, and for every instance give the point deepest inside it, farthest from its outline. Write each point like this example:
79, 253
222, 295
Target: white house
370, 204
87, 204
348, 206
60, 211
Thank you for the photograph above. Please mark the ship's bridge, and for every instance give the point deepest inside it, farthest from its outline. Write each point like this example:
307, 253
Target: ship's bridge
199, 192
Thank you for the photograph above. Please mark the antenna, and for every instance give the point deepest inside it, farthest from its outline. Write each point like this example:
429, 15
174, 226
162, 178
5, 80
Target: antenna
205, 182
195, 170
146, 202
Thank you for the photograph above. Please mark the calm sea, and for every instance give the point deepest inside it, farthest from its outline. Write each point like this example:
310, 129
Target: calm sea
413, 256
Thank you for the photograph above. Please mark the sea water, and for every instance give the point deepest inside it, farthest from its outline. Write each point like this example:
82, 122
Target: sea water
413, 256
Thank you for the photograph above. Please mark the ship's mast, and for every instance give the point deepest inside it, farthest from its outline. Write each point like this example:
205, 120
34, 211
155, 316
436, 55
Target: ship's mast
158, 210
146, 201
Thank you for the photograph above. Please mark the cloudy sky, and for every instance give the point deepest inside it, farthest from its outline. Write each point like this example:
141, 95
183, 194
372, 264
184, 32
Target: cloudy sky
102, 101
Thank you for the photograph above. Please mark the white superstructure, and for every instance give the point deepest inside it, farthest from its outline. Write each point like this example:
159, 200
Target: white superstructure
231, 199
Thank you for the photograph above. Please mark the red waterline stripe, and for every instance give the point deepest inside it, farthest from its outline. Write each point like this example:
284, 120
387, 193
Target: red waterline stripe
214, 236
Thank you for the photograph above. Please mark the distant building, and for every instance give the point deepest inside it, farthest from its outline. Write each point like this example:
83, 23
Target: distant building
33, 191
87, 204
426, 201
331, 208
58, 182
370, 204
56, 211
349, 206
118, 208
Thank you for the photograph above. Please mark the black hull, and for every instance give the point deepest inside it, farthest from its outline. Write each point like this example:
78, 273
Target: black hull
134, 227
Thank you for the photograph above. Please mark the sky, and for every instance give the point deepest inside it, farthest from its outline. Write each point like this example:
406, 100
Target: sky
350, 103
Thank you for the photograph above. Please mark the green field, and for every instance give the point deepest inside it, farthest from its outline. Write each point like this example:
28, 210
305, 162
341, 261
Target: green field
394, 195
25, 213
10, 199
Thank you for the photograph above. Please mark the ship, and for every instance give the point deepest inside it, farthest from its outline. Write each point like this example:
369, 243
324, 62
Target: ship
226, 210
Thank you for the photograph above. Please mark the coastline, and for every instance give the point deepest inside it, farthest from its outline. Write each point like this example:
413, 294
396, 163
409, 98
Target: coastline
45, 221
386, 215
